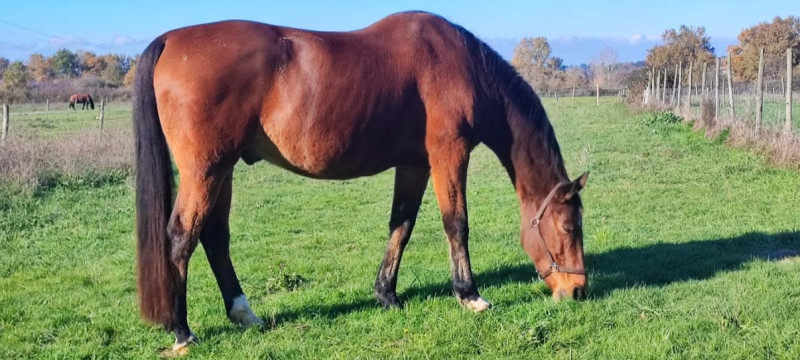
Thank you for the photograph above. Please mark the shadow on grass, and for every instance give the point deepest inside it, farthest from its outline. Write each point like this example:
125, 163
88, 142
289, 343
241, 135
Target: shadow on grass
652, 266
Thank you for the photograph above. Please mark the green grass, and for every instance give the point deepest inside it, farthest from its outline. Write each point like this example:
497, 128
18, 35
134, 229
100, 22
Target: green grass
31, 119
680, 232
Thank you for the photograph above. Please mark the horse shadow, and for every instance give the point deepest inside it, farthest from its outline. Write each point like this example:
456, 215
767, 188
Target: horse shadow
653, 265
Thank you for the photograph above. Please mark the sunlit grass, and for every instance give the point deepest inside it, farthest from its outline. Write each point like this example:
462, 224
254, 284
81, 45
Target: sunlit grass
689, 244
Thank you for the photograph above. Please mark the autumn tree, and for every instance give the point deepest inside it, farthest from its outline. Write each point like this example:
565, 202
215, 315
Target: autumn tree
40, 67
91, 64
129, 76
16, 78
685, 45
4, 63
604, 68
65, 64
774, 37
533, 60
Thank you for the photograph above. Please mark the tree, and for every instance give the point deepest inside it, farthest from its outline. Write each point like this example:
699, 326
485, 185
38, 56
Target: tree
533, 61
604, 68
116, 68
129, 76
16, 78
684, 45
774, 38
91, 64
40, 67
4, 63
65, 64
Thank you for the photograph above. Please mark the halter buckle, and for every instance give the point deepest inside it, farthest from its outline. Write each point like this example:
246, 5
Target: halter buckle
554, 267
535, 222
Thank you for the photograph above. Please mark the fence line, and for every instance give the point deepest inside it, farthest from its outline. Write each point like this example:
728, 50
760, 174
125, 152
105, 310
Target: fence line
761, 103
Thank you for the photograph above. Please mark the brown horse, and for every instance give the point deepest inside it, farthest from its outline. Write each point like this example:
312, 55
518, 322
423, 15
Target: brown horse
412, 91
81, 98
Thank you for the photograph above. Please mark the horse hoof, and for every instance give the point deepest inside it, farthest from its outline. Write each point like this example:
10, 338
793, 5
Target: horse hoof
388, 301
476, 304
242, 315
180, 349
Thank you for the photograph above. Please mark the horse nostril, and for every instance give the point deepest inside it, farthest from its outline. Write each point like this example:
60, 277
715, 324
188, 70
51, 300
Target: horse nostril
578, 293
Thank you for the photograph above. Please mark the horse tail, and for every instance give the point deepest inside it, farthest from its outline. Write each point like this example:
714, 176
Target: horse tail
91, 102
154, 187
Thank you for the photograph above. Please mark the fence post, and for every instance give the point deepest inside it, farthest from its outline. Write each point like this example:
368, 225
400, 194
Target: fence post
47, 105
598, 94
658, 85
788, 90
689, 98
573, 92
102, 113
5, 122
716, 91
760, 89
704, 81
674, 85
680, 85
730, 88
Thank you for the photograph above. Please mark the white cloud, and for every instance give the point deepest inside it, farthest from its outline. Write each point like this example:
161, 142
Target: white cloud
67, 41
122, 40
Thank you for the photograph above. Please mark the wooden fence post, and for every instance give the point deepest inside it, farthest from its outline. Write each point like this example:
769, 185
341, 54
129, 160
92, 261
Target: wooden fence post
598, 94
689, 98
703, 86
716, 91
680, 84
102, 113
788, 126
730, 88
674, 85
760, 89
47, 105
5, 122
658, 85
573, 92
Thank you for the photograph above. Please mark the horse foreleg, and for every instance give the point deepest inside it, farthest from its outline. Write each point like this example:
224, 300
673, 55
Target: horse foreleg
449, 160
215, 238
409, 186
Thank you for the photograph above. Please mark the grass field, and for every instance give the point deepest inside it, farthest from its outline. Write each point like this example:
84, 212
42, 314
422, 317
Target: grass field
691, 248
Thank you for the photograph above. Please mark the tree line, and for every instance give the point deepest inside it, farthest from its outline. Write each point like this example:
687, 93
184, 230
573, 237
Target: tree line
535, 62
53, 77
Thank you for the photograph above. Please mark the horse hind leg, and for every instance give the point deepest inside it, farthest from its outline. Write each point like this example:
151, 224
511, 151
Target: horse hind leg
215, 238
409, 187
196, 197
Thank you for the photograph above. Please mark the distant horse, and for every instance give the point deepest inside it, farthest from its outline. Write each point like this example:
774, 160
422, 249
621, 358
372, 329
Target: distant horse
81, 98
412, 91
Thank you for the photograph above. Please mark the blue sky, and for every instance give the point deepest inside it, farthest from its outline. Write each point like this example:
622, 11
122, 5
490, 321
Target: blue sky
577, 30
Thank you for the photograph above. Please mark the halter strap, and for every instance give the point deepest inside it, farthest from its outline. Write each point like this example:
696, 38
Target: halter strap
537, 219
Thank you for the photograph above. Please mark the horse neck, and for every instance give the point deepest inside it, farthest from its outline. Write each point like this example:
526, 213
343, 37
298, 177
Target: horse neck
535, 155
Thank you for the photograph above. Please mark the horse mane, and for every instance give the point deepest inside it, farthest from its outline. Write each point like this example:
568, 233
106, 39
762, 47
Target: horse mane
497, 80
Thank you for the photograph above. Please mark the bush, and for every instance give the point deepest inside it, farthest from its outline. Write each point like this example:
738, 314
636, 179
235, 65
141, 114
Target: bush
661, 117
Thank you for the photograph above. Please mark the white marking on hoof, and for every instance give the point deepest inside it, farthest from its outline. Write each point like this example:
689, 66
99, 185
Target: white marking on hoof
180, 348
242, 314
477, 305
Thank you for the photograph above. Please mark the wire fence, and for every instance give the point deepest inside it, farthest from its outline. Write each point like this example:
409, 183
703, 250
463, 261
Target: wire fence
713, 95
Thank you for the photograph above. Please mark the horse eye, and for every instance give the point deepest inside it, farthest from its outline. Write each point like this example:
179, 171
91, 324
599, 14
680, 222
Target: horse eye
569, 228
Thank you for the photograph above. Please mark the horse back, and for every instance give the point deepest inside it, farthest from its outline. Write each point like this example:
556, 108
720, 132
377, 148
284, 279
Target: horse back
324, 104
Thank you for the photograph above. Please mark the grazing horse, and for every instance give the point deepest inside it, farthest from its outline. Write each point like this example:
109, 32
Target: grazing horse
82, 98
412, 92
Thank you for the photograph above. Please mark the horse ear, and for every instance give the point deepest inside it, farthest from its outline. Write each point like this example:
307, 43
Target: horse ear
581, 181
576, 186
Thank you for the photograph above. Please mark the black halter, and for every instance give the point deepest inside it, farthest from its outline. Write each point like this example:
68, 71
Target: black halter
554, 267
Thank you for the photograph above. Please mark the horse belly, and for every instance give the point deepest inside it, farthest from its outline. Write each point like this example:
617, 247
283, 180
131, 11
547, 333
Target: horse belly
326, 155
